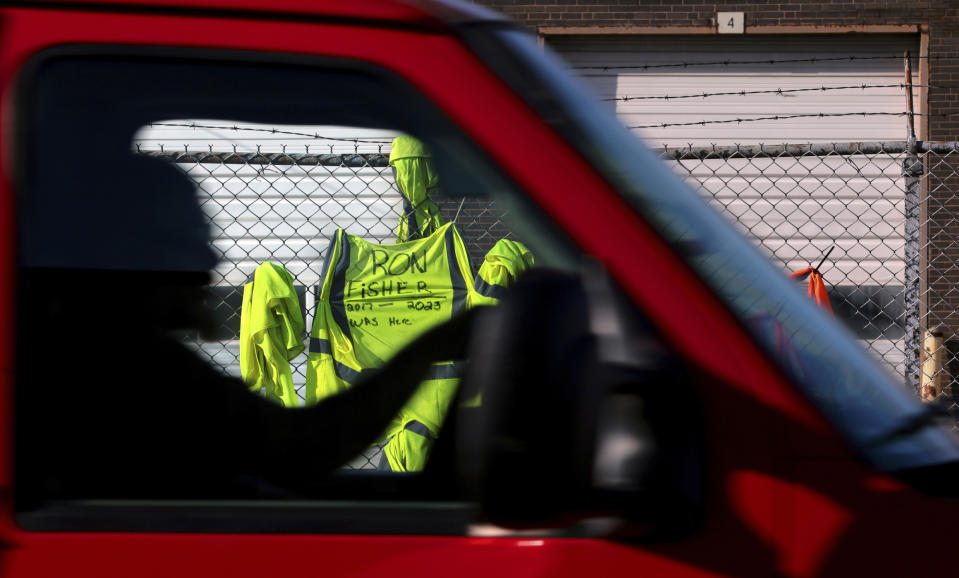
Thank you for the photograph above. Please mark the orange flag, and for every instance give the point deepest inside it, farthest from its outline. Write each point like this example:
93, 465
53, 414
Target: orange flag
817, 287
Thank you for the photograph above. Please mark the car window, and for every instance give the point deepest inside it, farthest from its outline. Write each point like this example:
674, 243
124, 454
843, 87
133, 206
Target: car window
234, 272
348, 232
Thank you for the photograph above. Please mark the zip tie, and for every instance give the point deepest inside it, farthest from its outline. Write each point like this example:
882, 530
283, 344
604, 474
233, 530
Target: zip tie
824, 257
457, 215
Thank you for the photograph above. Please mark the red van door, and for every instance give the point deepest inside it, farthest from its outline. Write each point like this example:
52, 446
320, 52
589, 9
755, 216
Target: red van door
128, 451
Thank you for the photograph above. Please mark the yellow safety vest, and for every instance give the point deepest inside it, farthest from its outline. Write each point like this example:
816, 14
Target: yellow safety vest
374, 300
271, 334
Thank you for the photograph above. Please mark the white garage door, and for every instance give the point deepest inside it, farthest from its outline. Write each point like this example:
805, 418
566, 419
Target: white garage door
284, 213
802, 66
795, 209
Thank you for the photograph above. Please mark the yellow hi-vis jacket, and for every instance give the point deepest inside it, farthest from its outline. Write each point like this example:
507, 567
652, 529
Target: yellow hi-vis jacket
417, 180
271, 333
374, 300
501, 266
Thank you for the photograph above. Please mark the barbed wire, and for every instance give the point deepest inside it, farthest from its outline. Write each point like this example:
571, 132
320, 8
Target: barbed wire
728, 62
935, 114
313, 135
738, 120
689, 151
774, 117
780, 91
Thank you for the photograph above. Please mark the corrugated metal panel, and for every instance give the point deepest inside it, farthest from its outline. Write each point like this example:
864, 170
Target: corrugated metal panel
797, 208
613, 51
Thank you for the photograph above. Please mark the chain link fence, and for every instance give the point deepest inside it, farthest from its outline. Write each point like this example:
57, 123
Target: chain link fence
886, 214
285, 208
881, 218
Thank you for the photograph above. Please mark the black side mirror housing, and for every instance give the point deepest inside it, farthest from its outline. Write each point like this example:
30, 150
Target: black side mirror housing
578, 417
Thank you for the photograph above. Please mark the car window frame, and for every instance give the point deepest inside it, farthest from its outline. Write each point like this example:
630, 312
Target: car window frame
377, 514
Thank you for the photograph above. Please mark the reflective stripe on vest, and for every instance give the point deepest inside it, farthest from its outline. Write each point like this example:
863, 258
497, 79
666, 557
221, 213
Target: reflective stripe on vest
348, 374
338, 281
418, 428
457, 282
491, 290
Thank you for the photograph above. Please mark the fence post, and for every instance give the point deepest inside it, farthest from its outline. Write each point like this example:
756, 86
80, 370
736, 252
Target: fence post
912, 173
912, 170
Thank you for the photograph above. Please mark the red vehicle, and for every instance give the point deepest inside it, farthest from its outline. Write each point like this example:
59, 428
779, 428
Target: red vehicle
658, 400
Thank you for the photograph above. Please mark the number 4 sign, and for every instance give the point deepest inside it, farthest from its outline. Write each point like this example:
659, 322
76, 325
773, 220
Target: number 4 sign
730, 23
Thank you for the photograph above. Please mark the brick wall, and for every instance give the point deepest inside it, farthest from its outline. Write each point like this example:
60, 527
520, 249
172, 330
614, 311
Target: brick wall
479, 221
700, 13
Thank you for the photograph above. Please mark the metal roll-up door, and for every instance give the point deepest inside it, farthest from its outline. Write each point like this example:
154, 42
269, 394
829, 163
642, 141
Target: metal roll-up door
795, 208
678, 66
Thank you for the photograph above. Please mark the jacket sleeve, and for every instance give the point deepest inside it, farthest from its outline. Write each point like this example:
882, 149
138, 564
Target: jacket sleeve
271, 334
250, 363
501, 266
407, 450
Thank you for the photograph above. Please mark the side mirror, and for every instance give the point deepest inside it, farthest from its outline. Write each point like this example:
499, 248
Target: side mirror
584, 413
